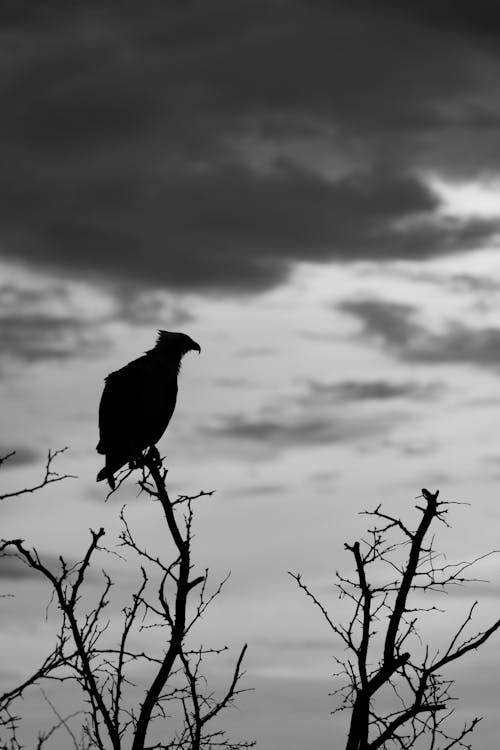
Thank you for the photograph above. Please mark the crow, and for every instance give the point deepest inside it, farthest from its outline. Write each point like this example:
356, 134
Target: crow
138, 401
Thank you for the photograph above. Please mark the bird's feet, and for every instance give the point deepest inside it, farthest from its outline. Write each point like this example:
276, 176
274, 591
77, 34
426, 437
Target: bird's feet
136, 463
142, 459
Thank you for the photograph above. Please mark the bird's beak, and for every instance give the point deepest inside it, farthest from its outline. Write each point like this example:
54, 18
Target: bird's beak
196, 347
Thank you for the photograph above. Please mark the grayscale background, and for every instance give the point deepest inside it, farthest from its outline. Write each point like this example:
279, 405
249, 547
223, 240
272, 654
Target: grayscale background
311, 190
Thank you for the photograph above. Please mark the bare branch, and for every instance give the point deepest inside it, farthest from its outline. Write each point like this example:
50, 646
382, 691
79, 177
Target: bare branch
50, 476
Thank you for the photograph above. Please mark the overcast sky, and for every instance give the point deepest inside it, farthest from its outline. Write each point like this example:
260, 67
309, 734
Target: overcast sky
311, 190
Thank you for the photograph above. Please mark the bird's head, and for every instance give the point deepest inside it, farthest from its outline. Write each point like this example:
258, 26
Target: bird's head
175, 343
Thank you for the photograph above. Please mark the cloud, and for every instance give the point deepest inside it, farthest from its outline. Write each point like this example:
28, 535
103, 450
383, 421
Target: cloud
415, 448
326, 413
232, 382
35, 338
22, 456
258, 490
140, 165
324, 645
467, 282
257, 351
13, 567
395, 327
483, 286
49, 322
480, 19
286, 432
367, 390
152, 309
230, 228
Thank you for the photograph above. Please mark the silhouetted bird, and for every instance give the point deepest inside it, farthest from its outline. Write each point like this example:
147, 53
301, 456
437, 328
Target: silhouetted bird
138, 402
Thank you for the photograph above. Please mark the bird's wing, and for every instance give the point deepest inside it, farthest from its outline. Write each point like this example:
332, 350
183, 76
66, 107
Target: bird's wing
118, 406
136, 406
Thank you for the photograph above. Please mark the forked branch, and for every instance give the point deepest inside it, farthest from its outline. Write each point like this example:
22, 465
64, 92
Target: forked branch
394, 692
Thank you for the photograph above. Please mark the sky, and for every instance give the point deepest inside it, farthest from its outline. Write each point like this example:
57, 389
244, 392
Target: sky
311, 190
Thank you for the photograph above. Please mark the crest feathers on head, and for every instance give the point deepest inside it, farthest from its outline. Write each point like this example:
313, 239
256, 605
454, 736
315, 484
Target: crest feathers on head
174, 342
162, 337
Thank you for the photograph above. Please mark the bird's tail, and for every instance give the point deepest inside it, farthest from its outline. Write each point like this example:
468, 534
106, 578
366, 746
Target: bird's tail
106, 473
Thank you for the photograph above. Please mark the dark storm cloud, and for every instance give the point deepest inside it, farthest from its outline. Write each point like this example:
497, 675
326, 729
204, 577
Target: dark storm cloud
122, 125
480, 18
230, 227
396, 327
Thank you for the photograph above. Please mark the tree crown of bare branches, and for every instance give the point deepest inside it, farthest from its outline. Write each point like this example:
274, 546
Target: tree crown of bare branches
379, 669
103, 672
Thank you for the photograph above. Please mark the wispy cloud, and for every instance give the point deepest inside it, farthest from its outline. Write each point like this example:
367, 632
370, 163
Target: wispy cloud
277, 434
34, 338
152, 309
395, 326
43, 323
320, 394
13, 567
51, 322
22, 455
328, 412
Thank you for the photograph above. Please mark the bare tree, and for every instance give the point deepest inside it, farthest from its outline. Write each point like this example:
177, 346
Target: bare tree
177, 703
394, 687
